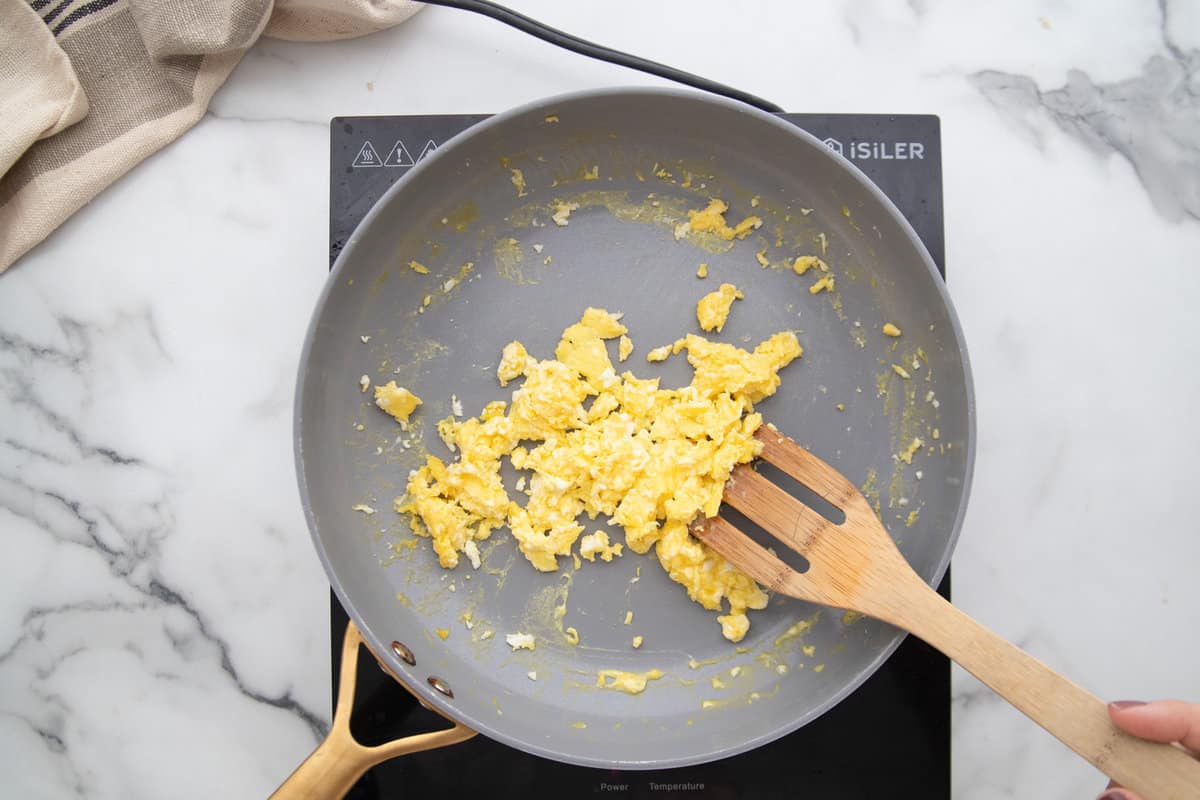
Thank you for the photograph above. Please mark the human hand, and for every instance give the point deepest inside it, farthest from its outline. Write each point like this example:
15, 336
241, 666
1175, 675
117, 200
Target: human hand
1160, 721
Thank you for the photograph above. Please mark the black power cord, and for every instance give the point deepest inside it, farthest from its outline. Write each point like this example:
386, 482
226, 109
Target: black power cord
600, 52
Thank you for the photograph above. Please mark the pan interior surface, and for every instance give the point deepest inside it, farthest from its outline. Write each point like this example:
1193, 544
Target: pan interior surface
633, 162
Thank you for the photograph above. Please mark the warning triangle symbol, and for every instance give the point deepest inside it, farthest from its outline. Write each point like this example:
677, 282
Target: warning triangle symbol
429, 148
399, 156
367, 157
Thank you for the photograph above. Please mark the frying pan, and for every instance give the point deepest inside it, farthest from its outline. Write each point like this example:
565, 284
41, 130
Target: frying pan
634, 161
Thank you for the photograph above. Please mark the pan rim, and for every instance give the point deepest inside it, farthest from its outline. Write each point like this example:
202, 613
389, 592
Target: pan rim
381, 649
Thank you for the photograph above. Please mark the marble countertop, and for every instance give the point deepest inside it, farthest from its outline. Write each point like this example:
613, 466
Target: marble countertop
163, 617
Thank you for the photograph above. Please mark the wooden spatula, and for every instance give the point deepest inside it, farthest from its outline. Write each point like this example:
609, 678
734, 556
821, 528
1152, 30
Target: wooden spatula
855, 565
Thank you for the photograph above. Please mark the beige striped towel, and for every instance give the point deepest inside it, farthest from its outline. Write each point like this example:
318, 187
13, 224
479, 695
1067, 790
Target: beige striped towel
90, 88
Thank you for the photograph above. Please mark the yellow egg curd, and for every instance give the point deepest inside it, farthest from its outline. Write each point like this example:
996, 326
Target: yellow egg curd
711, 219
651, 460
396, 400
713, 309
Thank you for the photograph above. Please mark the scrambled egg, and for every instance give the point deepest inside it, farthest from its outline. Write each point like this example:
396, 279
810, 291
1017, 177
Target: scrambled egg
651, 460
803, 264
520, 641
712, 220
713, 308
659, 353
396, 400
624, 347
597, 544
823, 284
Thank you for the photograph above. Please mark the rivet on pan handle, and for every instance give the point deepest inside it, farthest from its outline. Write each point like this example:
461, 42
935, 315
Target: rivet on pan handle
339, 761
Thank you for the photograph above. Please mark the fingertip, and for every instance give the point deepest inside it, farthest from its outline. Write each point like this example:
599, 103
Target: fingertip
1159, 721
1121, 705
1117, 794
1117, 709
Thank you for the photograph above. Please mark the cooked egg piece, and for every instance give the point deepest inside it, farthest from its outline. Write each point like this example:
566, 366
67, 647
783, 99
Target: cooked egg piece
513, 363
596, 544
659, 353
396, 400
890, 330
713, 309
711, 219
823, 284
624, 347
582, 347
520, 641
804, 263
562, 213
471, 550
702, 271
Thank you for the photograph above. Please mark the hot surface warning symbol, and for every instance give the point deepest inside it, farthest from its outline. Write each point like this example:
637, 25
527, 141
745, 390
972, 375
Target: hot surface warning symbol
429, 148
367, 157
399, 156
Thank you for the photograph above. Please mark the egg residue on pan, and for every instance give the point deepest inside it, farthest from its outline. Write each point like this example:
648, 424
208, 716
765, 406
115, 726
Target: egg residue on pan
651, 460
628, 682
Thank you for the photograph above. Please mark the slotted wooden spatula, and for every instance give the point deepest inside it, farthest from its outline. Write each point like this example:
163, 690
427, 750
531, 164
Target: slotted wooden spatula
855, 565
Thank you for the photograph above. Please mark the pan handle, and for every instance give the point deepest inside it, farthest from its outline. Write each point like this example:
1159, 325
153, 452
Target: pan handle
332, 769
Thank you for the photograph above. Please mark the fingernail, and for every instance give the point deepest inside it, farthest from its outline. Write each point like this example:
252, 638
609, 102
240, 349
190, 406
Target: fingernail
1121, 705
1113, 795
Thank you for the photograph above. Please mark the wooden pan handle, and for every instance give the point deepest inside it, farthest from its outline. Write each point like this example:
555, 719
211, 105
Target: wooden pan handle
1075, 716
335, 766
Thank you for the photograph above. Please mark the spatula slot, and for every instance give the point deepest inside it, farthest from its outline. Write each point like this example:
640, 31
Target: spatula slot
801, 492
759, 536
